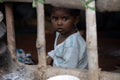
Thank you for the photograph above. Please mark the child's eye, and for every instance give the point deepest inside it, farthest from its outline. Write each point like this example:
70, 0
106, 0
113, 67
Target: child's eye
54, 18
65, 18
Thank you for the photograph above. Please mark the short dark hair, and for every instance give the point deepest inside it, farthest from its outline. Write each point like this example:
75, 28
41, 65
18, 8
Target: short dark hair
72, 12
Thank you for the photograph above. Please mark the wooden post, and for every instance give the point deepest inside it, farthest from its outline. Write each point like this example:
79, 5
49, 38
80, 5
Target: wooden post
40, 43
11, 41
41, 35
10, 32
92, 42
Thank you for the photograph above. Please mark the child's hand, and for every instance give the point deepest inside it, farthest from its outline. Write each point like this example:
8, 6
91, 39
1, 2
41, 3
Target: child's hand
49, 60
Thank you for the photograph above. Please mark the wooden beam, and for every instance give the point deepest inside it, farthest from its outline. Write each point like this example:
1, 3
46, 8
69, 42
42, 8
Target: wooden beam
101, 5
109, 76
52, 71
107, 5
82, 74
66, 3
17, 0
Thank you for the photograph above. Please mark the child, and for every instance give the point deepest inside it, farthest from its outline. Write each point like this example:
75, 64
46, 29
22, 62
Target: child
69, 47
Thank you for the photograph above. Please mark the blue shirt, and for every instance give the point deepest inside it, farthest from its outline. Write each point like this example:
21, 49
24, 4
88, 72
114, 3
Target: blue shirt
71, 53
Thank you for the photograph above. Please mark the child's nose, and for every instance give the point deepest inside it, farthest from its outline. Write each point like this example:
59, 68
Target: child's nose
59, 22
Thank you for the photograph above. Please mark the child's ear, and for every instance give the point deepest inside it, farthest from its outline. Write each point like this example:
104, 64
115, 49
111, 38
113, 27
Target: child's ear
77, 20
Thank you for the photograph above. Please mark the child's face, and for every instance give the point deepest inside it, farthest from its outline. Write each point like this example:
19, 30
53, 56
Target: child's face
62, 21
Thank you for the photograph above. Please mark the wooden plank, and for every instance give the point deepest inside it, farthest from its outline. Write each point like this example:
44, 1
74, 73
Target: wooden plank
92, 42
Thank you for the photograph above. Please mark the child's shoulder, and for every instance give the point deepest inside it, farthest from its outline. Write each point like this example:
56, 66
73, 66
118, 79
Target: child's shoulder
83, 34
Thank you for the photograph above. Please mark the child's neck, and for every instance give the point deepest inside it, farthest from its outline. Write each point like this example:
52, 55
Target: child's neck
62, 38
68, 34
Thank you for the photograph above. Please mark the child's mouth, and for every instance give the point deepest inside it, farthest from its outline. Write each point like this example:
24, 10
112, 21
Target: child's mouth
60, 29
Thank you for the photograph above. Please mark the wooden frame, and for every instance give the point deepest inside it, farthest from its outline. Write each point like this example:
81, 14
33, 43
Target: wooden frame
101, 5
42, 70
